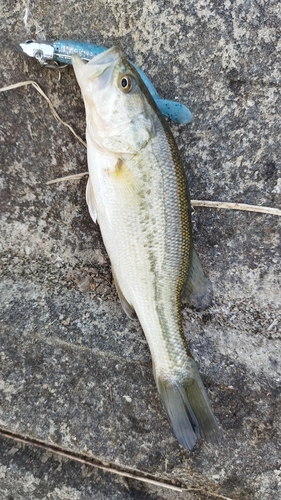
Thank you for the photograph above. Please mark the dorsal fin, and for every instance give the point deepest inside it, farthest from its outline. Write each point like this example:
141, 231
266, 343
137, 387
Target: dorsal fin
198, 290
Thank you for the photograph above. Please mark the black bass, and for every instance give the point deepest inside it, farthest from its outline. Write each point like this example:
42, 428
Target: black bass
137, 193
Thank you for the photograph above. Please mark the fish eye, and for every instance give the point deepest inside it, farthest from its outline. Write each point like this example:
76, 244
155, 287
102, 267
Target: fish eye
125, 83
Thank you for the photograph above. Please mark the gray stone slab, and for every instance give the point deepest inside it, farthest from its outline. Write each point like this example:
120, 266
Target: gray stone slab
75, 372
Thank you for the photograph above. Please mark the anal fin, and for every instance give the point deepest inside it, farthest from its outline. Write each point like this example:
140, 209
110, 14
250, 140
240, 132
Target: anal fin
129, 310
198, 290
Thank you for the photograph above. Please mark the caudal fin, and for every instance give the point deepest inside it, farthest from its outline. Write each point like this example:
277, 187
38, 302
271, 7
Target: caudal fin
187, 407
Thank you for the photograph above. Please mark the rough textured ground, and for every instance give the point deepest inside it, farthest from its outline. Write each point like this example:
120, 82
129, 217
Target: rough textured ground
75, 372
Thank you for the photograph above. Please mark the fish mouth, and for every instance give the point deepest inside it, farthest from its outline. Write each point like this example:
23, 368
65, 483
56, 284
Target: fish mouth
108, 57
100, 63
98, 70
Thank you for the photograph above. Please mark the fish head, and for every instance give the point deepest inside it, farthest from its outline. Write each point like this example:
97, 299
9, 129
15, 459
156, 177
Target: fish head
117, 103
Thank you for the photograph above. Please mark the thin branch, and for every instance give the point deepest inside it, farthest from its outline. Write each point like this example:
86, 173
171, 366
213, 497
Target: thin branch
207, 493
236, 206
194, 203
68, 178
71, 456
135, 474
54, 113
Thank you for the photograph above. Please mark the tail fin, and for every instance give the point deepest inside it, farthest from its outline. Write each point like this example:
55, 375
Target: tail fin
187, 406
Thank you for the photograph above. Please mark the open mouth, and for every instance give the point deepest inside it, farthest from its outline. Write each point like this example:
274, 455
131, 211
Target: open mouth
98, 69
106, 58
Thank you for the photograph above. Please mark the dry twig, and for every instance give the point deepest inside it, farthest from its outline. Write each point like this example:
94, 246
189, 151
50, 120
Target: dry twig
55, 114
75, 177
236, 206
134, 474
194, 203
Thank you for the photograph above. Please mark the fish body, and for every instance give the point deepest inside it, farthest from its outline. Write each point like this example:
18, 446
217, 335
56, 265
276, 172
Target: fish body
137, 192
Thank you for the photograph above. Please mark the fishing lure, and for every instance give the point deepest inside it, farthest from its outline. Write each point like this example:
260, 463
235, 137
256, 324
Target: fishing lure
61, 51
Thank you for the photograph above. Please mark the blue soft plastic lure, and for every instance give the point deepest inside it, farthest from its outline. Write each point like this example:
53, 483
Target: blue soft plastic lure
61, 51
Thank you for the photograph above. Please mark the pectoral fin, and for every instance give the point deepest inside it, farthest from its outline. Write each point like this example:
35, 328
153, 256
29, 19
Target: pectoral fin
198, 290
91, 201
129, 310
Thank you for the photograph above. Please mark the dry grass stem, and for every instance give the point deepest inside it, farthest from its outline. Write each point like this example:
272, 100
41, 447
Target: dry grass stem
207, 493
194, 203
75, 177
54, 113
135, 474
67, 454
236, 206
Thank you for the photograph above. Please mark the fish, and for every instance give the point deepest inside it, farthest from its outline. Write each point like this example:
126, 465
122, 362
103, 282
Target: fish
137, 192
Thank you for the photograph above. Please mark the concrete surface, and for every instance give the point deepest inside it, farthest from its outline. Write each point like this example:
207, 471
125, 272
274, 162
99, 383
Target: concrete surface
75, 372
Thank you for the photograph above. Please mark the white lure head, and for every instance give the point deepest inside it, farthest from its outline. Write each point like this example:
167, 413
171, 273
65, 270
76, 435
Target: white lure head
118, 106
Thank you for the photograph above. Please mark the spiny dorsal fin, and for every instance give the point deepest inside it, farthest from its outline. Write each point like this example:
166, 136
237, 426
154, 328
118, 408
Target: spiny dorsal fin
198, 290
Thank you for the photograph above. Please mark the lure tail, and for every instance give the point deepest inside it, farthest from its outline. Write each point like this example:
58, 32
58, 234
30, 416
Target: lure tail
187, 406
